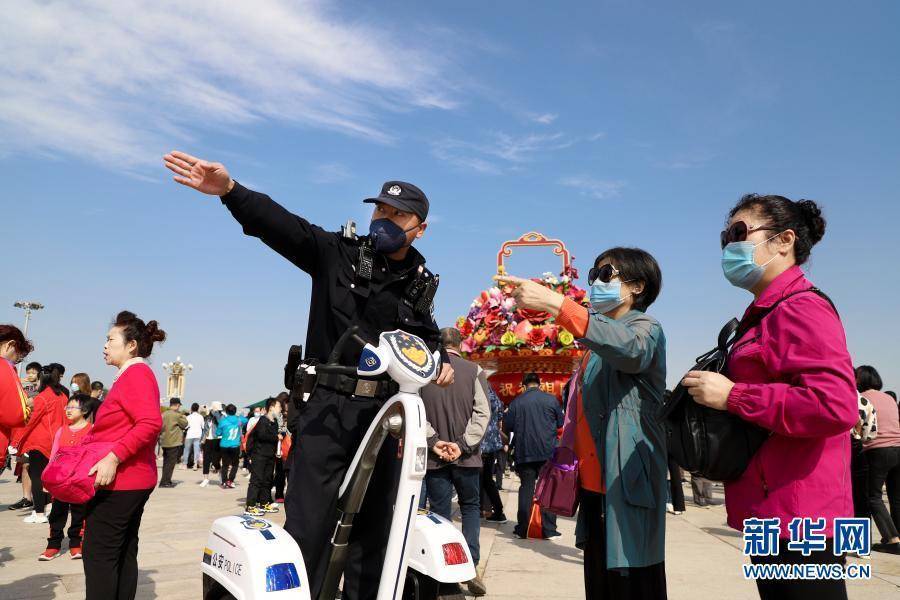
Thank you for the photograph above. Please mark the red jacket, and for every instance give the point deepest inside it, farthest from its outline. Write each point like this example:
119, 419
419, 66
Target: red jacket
48, 416
129, 417
13, 409
794, 377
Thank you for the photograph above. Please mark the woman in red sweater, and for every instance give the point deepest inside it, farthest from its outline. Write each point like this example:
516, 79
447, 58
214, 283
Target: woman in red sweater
13, 400
129, 422
36, 438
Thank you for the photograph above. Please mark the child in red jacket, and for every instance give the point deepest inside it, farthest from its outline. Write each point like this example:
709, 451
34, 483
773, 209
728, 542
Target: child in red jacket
79, 411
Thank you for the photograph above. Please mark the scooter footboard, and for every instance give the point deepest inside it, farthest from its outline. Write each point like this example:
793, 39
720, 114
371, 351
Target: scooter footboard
252, 559
439, 550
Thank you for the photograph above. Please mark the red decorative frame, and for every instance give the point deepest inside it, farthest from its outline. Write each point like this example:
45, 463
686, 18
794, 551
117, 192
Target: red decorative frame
530, 240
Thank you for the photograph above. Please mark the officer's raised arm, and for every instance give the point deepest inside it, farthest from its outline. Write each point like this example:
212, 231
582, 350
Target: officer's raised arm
288, 234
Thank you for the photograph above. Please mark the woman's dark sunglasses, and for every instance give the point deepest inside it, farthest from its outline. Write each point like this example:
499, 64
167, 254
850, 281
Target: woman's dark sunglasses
738, 232
604, 273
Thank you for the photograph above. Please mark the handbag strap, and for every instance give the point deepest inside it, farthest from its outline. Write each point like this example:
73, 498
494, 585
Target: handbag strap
747, 324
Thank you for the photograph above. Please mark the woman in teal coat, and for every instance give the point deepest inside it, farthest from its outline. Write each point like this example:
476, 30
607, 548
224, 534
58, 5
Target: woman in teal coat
620, 443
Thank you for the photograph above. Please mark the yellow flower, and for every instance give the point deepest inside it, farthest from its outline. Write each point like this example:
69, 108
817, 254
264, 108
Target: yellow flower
480, 336
566, 338
508, 339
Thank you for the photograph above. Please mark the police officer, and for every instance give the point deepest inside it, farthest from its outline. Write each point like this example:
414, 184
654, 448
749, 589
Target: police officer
377, 282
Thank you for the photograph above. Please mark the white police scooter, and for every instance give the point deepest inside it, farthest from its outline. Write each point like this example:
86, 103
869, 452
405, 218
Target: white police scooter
247, 558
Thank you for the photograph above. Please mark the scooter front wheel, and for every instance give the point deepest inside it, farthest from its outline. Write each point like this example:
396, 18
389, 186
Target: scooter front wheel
423, 587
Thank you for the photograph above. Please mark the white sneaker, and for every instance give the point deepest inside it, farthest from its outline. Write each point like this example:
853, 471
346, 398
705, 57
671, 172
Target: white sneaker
204, 483
35, 517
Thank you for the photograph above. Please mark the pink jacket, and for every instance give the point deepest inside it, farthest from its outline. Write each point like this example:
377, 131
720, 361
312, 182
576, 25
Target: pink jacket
794, 377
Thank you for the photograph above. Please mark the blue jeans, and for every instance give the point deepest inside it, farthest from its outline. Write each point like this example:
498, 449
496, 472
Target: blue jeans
467, 481
188, 444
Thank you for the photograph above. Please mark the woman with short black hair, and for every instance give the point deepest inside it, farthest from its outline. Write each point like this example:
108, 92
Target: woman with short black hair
882, 454
618, 439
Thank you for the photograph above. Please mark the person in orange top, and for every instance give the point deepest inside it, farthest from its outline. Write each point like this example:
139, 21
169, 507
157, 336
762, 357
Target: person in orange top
37, 437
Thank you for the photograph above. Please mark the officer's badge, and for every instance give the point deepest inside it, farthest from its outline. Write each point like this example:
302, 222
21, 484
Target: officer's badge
257, 524
394, 190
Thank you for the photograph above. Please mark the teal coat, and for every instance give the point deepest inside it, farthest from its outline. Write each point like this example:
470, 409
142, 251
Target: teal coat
623, 386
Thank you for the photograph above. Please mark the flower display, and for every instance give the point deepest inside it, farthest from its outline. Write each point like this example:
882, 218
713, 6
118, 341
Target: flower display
495, 324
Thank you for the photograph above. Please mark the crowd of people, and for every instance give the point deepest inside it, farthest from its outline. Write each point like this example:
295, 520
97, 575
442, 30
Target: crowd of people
789, 372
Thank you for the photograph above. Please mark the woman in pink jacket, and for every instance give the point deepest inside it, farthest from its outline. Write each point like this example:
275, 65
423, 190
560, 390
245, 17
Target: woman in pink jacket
792, 375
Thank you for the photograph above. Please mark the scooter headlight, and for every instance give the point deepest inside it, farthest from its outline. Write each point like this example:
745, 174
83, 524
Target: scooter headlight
282, 576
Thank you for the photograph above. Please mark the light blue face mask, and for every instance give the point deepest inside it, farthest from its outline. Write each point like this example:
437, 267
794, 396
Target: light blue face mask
606, 297
738, 265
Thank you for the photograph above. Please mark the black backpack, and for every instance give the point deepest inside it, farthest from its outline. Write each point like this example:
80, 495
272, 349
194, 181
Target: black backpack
715, 444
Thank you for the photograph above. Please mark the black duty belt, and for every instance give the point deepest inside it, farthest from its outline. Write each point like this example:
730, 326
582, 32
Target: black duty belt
354, 386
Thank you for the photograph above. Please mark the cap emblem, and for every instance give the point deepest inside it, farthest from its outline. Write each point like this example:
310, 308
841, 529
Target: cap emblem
394, 190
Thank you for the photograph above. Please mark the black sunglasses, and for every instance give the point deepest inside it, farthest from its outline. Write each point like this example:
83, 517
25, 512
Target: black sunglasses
604, 273
738, 232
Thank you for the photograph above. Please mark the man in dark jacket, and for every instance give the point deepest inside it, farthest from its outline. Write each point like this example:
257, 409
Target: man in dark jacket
170, 439
457, 419
533, 418
262, 443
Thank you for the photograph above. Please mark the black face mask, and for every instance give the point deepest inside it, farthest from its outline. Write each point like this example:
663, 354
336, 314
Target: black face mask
387, 236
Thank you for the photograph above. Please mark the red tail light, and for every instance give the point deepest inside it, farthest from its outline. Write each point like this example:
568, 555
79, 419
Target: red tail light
455, 554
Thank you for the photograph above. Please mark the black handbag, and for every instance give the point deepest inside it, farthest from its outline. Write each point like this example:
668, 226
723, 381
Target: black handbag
715, 444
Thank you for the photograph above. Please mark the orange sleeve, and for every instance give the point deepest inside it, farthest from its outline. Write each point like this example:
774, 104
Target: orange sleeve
574, 317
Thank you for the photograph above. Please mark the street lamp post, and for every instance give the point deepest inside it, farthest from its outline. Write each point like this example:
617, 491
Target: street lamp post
176, 380
28, 307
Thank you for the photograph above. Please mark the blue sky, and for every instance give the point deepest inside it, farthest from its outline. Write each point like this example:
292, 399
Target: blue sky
602, 124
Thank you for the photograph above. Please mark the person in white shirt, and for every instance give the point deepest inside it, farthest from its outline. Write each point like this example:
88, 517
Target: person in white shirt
193, 435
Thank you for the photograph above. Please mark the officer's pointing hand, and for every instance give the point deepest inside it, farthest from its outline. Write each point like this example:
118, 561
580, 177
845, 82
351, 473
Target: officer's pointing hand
531, 294
445, 379
209, 178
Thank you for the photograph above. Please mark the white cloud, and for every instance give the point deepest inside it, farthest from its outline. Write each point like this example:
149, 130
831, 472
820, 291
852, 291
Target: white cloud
120, 82
595, 188
544, 119
499, 151
330, 173
597, 136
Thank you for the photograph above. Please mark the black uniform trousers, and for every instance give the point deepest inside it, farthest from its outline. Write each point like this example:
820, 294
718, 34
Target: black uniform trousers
111, 543
329, 429
262, 473
59, 513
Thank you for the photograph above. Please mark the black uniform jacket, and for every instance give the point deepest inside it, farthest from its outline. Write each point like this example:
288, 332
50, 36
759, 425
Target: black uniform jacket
339, 298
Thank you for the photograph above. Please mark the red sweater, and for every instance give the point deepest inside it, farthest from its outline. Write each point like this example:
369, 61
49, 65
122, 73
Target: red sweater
66, 437
45, 420
129, 417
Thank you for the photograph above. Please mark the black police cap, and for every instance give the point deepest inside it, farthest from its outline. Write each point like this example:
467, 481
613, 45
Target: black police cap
404, 196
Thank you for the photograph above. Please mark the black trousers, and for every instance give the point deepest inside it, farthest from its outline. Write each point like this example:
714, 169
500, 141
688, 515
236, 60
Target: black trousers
859, 473
528, 474
113, 519
280, 478
210, 455
330, 427
37, 462
639, 583
500, 469
786, 589
262, 472
170, 459
230, 458
675, 483
490, 496
884, 468
59, 513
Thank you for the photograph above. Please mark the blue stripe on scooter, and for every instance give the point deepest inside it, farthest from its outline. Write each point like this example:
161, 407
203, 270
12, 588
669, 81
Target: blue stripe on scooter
405, 539
267, 534
433, 518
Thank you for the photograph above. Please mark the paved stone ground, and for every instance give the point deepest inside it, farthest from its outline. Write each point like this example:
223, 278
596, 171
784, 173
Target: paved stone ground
703, 555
